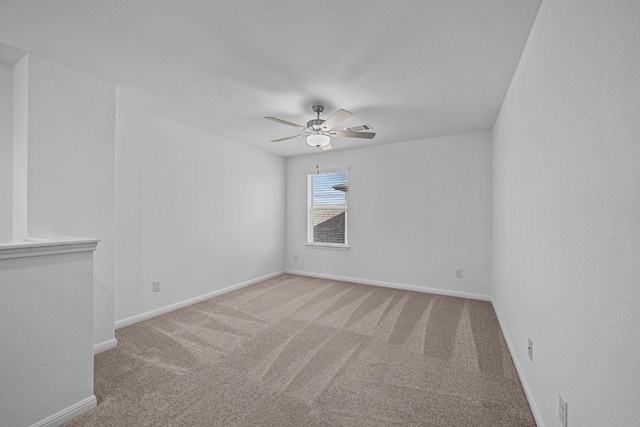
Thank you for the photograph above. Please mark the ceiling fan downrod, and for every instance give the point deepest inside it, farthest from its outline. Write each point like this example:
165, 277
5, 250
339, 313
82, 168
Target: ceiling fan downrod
316, 124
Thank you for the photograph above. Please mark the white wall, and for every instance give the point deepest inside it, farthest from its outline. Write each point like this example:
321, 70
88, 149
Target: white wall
6, 153
417, 211
70, 170
186, 197
20, 153
193, 210
566, 186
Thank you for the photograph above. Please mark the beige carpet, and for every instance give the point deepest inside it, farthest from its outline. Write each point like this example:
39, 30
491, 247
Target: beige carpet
298, 351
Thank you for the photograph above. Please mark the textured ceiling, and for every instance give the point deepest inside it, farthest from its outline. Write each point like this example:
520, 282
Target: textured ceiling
412, 69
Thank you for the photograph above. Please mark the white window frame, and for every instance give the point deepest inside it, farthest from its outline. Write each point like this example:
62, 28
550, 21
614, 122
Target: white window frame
310, 209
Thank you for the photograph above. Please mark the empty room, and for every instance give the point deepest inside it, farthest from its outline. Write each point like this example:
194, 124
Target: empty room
296, 213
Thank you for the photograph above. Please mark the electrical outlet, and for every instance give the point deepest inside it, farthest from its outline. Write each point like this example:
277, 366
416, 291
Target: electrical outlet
530, 349
459, 273
295, 257
562, 411
156, 286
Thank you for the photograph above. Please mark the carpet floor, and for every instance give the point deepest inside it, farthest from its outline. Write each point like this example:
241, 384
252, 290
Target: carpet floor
300, 351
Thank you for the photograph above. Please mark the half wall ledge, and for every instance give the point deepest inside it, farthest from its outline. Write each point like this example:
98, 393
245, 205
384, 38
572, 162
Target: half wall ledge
46, 302
37, 246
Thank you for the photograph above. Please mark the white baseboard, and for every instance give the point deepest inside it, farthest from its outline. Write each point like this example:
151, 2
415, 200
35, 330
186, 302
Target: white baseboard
68, 414
105, 345
525, 386
394, 285
162, 310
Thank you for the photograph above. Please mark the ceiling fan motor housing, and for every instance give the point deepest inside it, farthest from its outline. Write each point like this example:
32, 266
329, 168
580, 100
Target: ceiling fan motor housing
315, 124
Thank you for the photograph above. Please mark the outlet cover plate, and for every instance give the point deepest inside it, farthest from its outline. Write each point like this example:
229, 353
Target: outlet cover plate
156, 286
562, 411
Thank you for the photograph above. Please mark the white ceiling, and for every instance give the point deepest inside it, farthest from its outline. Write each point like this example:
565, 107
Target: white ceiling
412, 69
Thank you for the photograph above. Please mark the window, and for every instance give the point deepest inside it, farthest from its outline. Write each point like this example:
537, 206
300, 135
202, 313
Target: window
327, 207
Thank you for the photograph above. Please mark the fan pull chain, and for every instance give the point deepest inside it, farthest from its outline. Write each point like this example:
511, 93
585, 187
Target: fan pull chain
318, 161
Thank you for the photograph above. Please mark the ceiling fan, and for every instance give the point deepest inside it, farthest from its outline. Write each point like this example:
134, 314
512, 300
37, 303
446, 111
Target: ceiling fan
318, 132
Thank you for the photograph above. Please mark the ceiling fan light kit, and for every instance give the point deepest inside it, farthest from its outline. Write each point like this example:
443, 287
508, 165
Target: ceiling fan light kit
318, 132
318, 140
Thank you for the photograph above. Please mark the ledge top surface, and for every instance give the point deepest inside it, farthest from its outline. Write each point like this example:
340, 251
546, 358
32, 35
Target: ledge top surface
49, 245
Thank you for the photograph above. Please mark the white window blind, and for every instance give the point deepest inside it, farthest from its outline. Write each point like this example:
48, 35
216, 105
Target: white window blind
327, 207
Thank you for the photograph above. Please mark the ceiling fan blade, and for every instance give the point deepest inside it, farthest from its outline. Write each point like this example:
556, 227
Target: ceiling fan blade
351, 134
326, 147
284, 122
288, 137
336, 118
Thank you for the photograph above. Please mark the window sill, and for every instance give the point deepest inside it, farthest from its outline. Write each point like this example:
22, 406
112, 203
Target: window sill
334, 246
